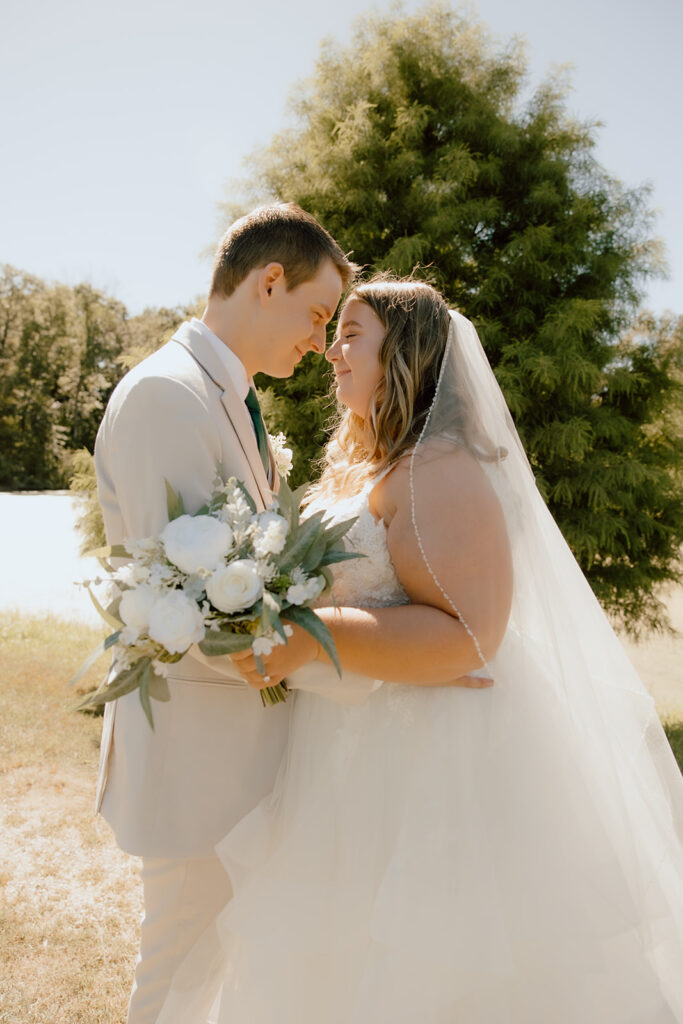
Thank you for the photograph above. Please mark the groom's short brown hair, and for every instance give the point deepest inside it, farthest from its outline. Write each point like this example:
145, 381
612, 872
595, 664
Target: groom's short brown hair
281, 233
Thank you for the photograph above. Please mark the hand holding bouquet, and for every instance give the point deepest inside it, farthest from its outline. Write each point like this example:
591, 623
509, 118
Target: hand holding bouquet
224, 578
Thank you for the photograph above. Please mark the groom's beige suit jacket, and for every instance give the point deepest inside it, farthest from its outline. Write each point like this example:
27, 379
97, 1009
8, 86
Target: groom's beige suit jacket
214, 751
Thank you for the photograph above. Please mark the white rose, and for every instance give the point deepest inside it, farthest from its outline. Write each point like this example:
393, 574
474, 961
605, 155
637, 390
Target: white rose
300, 593
235, 587
136, 606
270, 534
176, 622
196, 542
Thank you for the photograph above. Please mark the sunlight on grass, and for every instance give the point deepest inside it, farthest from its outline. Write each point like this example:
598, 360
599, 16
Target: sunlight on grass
70, 899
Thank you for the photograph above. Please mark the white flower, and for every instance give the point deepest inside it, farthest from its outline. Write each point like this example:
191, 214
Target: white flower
270, 534
196, 542
236, 511
161, 668
266, 569
159, 573
136, 606
262, 645
176, 622
130, 575
300, 593
282, 454
143, 548
128, 636
235, 586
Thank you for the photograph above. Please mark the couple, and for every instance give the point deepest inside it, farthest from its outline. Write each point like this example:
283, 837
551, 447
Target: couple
409, 844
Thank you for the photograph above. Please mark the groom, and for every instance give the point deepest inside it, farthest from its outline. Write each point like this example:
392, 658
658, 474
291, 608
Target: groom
172, 793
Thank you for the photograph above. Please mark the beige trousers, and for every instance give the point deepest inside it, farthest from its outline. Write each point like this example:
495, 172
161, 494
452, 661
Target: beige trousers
182, 898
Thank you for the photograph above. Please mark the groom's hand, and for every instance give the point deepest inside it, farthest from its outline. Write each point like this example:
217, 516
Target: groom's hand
283, 659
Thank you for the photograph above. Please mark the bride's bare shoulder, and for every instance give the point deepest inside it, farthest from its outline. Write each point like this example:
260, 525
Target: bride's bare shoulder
444, 470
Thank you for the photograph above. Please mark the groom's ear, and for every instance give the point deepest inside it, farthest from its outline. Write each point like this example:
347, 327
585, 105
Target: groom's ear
271, 279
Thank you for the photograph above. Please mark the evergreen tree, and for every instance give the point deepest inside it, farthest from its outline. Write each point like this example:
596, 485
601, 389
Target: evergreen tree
412, 146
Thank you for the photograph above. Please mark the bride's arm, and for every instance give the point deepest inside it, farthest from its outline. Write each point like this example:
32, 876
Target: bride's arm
463, 535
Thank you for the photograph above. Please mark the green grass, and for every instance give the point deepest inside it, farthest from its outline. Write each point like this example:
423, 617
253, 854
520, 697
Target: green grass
674, 733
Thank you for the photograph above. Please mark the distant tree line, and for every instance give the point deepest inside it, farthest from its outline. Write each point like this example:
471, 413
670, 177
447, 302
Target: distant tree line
412, 146
62, 351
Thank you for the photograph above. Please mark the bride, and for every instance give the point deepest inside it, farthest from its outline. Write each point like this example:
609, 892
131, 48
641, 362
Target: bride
438, 850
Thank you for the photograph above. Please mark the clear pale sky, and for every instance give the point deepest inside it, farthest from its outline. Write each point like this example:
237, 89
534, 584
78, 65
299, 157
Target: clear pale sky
121, 123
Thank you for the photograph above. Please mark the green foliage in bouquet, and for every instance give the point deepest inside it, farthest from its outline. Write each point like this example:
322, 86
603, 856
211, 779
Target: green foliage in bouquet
293, 554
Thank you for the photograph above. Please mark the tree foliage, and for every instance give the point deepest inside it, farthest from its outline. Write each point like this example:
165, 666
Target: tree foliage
412, 146
62, 351
58, 363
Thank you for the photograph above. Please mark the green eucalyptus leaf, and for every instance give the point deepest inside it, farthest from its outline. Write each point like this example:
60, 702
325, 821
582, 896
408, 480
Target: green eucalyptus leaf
314, 554
308, 620
299, 543
111, 620
220, 642
330, 557
174, 503
110, 551
334, 533
144, 695
125, 682
92, 658
158, 688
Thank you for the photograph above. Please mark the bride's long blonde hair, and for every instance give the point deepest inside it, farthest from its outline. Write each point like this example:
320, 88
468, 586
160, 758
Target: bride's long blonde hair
416, 321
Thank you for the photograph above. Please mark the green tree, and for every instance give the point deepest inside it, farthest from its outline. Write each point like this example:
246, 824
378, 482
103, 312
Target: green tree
58, 363
412, 146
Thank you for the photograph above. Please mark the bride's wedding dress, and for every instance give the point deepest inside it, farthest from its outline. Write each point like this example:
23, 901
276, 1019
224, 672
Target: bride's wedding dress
511, 855
439, 856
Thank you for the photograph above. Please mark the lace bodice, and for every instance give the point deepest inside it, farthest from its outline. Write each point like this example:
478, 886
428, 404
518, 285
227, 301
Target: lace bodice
370, 581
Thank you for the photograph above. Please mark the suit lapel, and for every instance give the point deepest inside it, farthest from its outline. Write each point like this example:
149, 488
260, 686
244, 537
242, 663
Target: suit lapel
235, 409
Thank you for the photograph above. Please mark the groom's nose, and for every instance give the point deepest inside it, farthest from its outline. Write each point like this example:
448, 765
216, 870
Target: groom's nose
319, 338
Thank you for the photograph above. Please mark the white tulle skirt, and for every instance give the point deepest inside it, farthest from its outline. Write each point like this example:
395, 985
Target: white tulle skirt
452, 856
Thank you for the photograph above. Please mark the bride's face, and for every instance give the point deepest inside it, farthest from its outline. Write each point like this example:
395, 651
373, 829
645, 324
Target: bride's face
354, 354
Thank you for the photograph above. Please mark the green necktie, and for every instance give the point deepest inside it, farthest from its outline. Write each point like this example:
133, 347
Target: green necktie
251, 402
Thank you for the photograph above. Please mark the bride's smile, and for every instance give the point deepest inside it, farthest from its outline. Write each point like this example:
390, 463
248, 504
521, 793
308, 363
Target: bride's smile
354, 355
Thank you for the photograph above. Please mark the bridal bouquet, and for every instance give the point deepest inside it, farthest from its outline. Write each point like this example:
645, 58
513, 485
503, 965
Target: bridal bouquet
223, 578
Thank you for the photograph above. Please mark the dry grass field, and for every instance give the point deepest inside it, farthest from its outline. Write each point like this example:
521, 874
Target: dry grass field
70, 901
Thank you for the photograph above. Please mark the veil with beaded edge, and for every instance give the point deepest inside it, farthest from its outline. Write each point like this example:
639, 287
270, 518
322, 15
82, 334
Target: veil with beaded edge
511, 855
559, 631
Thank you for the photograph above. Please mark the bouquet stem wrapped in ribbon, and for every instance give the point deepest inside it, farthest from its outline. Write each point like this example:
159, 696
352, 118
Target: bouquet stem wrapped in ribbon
226, 578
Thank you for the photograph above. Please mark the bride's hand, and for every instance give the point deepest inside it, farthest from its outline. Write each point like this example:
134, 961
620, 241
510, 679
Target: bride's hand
473, 682
283, 659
